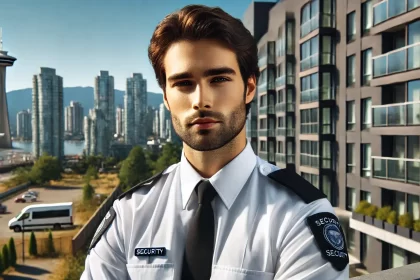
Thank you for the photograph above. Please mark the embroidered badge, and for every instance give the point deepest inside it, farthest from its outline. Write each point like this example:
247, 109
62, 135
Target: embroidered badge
329, 237
158, 251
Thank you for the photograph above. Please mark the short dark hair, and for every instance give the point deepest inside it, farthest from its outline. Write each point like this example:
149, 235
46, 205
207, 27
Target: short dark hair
196, 22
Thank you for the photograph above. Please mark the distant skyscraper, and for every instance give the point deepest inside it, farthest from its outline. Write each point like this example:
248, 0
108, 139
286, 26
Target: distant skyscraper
73, 118
24, 126
103, 115
47, 114
156, 123
163, 124
135, 104
5, 61
87, 124
119, 118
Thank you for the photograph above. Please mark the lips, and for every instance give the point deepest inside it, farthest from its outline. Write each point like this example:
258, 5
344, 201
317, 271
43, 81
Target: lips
204, 121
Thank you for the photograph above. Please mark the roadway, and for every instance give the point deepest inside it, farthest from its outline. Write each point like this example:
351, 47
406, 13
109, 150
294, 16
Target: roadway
46, 195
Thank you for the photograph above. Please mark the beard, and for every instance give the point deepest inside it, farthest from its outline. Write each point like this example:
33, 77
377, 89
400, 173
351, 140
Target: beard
211, 139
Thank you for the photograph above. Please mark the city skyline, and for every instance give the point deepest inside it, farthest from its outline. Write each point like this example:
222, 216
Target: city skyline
71, 34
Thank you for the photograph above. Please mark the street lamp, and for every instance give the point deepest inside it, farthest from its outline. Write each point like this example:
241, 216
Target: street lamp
23, 218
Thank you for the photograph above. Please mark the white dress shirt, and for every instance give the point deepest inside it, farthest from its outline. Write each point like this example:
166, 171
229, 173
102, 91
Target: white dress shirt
260, 228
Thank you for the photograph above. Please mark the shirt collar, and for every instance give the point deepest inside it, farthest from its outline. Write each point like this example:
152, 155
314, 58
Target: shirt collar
228, 181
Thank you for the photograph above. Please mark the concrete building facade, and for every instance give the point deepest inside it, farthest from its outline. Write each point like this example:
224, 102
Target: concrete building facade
73, 118
24, 125
338, 101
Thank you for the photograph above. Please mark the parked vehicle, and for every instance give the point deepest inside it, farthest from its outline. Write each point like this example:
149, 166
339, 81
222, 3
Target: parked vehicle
32, 193
43, 216
26, 197
3, 209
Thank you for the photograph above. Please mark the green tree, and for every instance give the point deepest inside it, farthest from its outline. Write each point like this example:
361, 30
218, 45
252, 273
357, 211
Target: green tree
91, 173
50, 244
46, 168
33, 248
2, 268
6, 257
88, 192
12, 251
134, 168
171, 154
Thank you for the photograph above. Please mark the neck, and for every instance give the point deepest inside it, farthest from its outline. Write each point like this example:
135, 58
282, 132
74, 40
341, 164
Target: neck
209, 163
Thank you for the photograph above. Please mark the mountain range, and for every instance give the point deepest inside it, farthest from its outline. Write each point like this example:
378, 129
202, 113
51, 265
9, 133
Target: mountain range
21, 99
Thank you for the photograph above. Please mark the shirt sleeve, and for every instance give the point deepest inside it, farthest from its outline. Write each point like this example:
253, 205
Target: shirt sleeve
300, 254
106, 260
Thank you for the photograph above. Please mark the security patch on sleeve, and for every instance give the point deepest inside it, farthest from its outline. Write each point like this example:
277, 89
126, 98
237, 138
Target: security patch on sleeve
329, 237
106, 222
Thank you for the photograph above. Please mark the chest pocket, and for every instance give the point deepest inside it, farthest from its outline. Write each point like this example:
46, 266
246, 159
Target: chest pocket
231, 273
163, 271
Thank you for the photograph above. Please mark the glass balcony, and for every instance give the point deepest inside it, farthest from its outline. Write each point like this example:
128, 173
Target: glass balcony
400, 114
267, 132
310, 95
263, 155
290, 159
281, 107
290, 132
280, 158
290, 107
280, 81
403, 59
309, 26
309, 62
262, 61
281, 131
390, 8
262, 87
280, 47
309, 128
396, 169
328, 92
251, 133
309, 160
264, 110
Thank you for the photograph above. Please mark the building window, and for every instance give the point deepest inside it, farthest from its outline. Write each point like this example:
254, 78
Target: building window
309, 90
280, 96
351, 116
366, 67
309, 18
366, 159
326, 188
327, 162
280, 147
327, 50
280, 122
311, 178
351, 163
366, 113
309, 153
263, 146
328, 122
351, 26
397, 257
351, 70
309, 121
413, 206
350, 240
367, 17
366, 196
309, 54
350, 199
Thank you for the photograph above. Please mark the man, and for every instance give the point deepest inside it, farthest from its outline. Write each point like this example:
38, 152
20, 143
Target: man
222, 212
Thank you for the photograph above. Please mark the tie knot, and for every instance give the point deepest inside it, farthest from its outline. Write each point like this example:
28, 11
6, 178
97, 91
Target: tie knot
205, 192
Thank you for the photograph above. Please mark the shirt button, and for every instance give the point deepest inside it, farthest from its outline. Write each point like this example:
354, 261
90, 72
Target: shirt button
265, 169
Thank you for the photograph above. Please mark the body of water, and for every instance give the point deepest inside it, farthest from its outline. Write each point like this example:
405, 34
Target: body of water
70, 147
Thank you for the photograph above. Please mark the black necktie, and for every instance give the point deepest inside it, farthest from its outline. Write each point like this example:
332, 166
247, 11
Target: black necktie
200, 237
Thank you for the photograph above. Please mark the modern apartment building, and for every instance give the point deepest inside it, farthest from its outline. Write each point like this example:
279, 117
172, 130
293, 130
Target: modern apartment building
47, 114
338, 100
73, 119
24, 125
119, 118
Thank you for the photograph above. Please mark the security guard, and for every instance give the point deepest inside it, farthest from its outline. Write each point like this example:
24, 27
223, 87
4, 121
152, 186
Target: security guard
221, 212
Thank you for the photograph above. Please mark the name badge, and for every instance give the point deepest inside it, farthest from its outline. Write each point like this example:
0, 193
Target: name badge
158, 251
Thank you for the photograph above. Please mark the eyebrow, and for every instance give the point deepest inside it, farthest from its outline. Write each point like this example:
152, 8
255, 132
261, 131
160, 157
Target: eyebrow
207, 73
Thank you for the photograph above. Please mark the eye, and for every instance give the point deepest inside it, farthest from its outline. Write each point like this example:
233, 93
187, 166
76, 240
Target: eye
219, 80
182, 84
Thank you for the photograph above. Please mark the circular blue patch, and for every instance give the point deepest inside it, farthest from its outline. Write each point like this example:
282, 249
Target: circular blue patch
333, 235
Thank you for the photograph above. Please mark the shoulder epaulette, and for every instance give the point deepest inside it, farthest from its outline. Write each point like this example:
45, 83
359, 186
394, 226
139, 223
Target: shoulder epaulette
149, 182
290, 179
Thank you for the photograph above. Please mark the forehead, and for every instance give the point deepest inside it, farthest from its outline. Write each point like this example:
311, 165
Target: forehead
198, 56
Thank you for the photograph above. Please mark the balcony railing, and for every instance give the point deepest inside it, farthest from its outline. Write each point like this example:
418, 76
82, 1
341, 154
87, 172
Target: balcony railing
309, 62
309, 26
396, 169
264, 110
262, 87
285, 80
310, 95
390, 8
267, 132
280, 107
290, 107
399, 60
328, 92
281, 131
309, 160
281, 158
309, 128
290, 132
262, 61
263, 155
251, 133
399, 114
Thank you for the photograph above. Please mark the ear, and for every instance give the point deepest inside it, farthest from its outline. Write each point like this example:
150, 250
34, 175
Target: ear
251, 87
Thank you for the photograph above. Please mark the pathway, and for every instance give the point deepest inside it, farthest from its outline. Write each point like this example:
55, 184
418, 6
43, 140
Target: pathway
32, 269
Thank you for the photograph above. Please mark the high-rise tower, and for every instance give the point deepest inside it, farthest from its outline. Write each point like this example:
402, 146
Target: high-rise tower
5, 61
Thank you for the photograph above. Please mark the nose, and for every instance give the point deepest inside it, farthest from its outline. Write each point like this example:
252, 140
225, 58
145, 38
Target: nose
202, 98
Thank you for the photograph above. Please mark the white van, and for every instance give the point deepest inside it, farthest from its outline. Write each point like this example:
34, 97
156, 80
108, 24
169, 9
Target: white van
43, 216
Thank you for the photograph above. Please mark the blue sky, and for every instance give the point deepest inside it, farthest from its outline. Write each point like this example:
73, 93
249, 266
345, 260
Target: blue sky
81, 37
